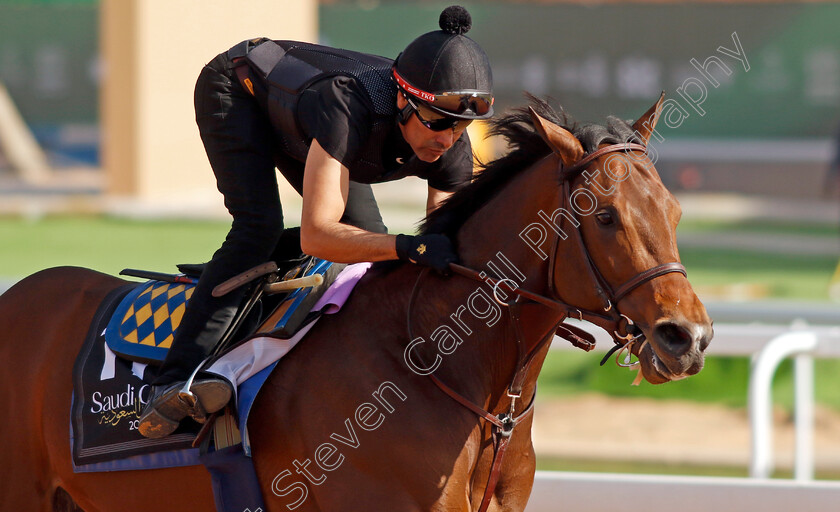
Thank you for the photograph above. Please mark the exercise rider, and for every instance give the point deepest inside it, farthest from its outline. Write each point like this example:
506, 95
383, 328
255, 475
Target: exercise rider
332, 121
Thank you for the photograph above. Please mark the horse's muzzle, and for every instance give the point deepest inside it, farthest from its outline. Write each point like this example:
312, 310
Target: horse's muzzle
675, 351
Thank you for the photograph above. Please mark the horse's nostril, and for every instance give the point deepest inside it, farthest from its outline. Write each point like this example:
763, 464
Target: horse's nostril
704, 342
676, 338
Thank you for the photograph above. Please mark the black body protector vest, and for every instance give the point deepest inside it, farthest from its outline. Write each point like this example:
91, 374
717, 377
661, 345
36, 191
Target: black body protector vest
289, 67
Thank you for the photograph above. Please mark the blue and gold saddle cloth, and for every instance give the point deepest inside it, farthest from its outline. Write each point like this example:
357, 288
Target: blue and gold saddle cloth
143, 326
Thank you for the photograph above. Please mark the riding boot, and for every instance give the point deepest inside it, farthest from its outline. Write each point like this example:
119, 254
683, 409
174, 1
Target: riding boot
168, 405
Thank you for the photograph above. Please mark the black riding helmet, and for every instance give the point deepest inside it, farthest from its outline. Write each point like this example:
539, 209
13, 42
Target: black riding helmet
447, 71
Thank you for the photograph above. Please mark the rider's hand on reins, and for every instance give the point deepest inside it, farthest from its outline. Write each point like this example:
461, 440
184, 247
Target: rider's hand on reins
433, 250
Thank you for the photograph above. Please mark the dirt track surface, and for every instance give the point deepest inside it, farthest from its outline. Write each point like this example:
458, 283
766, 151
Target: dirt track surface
598, 427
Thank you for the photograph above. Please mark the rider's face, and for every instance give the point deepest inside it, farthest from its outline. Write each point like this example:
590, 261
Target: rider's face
427, 144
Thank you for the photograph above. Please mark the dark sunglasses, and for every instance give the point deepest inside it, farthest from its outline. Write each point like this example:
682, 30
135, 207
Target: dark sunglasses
434, 121
473, 103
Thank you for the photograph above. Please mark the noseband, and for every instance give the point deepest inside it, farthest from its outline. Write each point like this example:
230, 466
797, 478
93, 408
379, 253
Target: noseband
610, 319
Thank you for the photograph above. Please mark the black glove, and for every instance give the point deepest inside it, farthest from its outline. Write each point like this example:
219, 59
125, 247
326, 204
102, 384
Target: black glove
433, 250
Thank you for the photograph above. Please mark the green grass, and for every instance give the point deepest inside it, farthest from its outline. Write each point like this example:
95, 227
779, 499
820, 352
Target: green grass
724, 380
773, 275
780, 276
545, 463
106, 244
770, 227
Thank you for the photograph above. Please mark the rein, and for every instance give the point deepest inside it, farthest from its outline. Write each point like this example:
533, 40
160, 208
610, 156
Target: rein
610, 319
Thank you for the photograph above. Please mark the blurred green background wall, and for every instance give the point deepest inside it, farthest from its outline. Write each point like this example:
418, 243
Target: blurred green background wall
595, 59
616, 58
49, 62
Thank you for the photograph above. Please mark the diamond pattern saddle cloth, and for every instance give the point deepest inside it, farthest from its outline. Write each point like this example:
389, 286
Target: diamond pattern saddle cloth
143, 326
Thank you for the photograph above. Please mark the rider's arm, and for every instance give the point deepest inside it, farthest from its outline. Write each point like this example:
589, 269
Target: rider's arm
325, 186
434, 199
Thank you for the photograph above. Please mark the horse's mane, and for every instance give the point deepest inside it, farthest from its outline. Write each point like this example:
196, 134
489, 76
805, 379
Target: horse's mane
526, 148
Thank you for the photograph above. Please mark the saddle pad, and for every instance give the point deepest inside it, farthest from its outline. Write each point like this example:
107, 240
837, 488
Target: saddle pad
250, 364
108, 396
109, 392
143, 325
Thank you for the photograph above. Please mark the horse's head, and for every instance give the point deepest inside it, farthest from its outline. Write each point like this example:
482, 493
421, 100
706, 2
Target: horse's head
619, 229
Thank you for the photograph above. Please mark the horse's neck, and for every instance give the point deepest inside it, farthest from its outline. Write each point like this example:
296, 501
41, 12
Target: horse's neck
524, 222
497, 227
463, 337
490, 241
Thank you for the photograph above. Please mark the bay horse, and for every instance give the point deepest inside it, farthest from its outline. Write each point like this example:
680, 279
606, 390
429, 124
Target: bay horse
403, 400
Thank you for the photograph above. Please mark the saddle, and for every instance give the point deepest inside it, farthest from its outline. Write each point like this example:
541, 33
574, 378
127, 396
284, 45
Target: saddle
277, 304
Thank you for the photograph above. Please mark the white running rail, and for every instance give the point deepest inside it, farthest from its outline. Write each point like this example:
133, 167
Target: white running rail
798, 344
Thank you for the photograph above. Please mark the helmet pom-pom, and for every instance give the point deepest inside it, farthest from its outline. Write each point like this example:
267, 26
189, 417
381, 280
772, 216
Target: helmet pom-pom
455, 20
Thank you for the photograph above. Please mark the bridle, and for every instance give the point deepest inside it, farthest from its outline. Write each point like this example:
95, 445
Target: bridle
609, 318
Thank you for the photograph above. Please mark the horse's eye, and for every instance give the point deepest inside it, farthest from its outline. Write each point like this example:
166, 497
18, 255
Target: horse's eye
604, 217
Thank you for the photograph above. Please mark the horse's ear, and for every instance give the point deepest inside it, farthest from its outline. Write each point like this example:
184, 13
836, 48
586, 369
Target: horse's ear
645, 125
559, 139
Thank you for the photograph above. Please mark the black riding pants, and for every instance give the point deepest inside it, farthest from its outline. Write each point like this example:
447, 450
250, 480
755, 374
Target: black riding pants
239, 140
